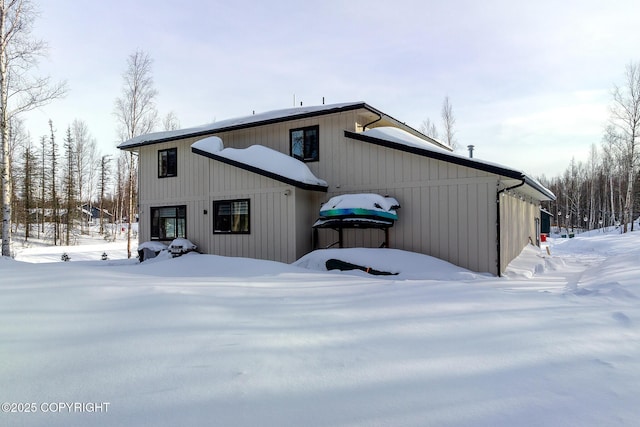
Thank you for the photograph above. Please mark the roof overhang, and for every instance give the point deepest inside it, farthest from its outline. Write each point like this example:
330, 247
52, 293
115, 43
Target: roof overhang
246, 122
370, 116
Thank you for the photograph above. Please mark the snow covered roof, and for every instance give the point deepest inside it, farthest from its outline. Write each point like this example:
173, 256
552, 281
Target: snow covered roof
399, 139
400, 136
270, 117
263, 161
244, 122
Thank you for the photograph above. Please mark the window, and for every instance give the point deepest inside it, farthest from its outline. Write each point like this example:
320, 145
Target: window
231, 216
167, 163
305, 143
168, 222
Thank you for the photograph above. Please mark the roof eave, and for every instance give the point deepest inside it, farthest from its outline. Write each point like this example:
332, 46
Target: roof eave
209, 132
548, 194
436, 155
461, 161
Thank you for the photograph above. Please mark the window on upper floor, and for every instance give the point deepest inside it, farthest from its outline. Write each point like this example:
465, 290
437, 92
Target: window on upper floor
168, 222
305, 143
231, 216
167, 163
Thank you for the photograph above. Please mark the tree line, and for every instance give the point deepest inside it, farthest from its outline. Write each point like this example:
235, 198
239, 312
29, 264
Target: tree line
54, 184
603, 190
50, 186
49, 181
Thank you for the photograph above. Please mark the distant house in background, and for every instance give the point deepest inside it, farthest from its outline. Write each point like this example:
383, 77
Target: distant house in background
545, 221
92, 215
253, 187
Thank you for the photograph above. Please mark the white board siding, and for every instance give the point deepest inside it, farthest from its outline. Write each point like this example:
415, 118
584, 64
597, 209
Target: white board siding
189, 188
448, 211
517, 224
200, 180
276, 220
192, 173
307, 206
276, 136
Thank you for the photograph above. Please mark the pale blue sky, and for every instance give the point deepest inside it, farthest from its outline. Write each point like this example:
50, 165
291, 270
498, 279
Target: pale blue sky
529, 83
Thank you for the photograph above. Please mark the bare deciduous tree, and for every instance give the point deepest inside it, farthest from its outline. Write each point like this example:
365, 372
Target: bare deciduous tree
170, 121
102, 187
54, 185
428, 128
86, 162
625, 117
448, 124
136, 113
19, 90
611, 166
70, 185
29, 180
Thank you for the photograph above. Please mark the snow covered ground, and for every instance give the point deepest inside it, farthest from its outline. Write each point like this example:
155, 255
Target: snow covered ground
207, 340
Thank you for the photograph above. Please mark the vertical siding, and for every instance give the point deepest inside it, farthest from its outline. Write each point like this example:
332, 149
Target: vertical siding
189, 187
517, 224
448, 211
306, 212
272, 223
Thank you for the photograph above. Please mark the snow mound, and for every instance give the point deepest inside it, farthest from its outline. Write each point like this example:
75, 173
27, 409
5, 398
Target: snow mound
193, 264
154, 246
212, 144
610, 290
184, 244
531, 261
407, 265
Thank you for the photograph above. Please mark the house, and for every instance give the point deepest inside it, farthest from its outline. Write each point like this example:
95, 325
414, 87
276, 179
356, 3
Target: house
545, 221
92, 214
253, 187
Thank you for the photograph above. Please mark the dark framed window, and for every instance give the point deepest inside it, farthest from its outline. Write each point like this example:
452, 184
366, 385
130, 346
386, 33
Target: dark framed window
231, 216
168, 222
305, 143
167, 163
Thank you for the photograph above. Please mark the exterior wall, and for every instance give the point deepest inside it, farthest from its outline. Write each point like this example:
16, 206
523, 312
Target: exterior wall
307, 206
276, 136
274, 222
280, 225
517, 225
189, 187
447, 211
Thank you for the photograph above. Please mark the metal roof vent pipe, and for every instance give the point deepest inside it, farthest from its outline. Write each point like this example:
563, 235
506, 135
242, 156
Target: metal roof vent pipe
470, 147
